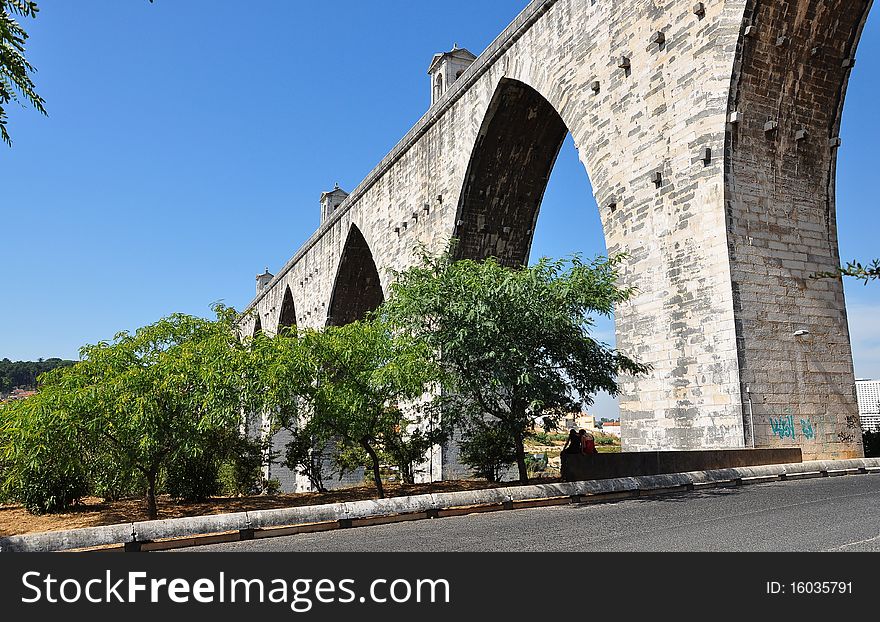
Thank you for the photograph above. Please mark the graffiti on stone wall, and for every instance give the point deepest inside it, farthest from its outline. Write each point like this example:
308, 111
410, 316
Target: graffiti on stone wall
808, 429
848, 435
784, 427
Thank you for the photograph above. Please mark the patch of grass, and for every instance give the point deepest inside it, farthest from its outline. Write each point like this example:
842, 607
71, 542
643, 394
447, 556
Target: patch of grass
609, 449
544, 438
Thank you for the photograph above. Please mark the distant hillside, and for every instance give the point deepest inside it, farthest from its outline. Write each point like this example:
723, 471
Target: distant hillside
23, 374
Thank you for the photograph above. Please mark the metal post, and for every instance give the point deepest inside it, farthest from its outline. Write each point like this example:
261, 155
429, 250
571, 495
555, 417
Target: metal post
751, 415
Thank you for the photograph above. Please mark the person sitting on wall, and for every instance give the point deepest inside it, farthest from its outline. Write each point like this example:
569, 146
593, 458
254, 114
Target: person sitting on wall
573, 445
588, 443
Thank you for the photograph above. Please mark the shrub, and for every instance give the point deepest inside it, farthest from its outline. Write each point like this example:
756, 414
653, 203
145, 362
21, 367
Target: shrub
872, 443
273, 487
42, 464
241, 471
536, 463
193, 478
114, 485
487, 449
306, 453
47, 491
407, 450
109, 479
545, 438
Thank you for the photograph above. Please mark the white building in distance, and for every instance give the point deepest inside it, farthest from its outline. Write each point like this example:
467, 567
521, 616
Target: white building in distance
611, 428
868, 394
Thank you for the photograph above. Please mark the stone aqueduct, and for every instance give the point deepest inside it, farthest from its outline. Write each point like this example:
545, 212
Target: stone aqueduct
709, 131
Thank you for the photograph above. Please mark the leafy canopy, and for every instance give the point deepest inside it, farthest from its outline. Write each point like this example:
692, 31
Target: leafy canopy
164, 395
357, 383
515, 343
856, 270
15, 71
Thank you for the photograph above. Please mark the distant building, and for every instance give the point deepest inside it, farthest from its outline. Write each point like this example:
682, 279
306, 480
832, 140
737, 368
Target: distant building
611, 428
19, 394
571, 421
581, 421
868, 394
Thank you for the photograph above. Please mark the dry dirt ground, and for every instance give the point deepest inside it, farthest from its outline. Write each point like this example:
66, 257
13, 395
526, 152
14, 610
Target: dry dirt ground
93, 512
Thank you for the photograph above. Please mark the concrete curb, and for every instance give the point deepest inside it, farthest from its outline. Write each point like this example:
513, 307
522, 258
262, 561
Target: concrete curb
180, 532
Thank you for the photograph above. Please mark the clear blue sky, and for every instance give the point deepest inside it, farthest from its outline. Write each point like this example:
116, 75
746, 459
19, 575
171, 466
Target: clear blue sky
188, 142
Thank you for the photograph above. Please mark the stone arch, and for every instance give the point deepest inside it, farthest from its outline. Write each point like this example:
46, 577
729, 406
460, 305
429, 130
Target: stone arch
794, 351
287, 317
357, 289
510, 165
258, 325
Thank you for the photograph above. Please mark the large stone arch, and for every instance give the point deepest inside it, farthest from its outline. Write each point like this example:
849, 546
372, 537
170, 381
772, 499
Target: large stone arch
357, 289
287, 315
525, 123
510, 166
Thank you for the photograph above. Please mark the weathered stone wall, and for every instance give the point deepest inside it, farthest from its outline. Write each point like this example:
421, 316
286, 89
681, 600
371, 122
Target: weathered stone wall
721, 224
794, 62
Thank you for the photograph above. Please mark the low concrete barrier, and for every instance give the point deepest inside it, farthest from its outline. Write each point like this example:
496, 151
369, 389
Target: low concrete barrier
70, 539
149, 531
264, 519
244, 525
576, 467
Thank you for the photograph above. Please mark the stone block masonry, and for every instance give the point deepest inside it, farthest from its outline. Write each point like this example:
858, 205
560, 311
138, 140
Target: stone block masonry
709, 134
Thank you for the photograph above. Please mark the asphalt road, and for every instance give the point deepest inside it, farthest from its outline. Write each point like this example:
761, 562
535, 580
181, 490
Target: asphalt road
829, 514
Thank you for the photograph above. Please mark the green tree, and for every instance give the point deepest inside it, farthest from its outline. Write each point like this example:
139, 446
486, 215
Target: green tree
856, 270
515, 343
358, 384
488, 449
15, 71
286, 380
24, 374
864, 273
307, 451
146, 403
42, 464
